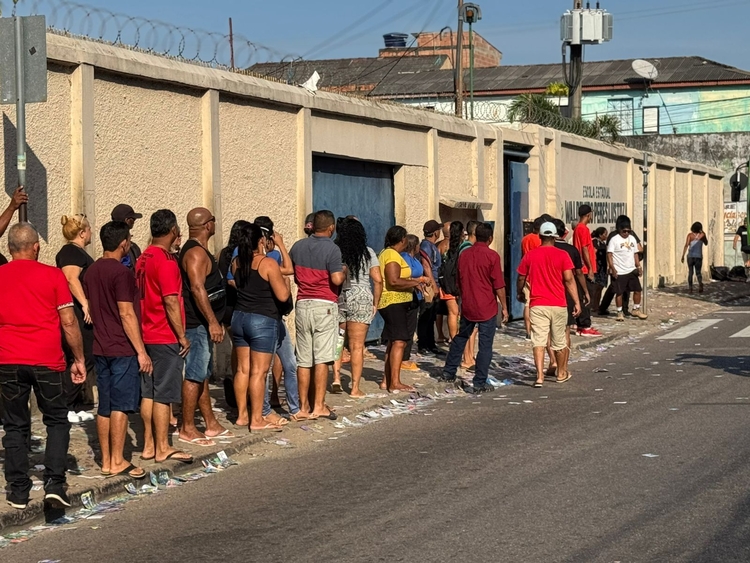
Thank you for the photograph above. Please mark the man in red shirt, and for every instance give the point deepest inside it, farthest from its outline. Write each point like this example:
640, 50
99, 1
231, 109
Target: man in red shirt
163, 324
549, 272
583, 243
529, 243
480, 279
36, 304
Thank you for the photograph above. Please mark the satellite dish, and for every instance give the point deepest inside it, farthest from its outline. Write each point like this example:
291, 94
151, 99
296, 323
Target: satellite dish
645, 69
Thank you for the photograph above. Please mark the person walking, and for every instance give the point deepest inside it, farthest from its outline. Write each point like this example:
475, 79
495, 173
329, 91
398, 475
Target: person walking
74, 261
694, 243
549, 272
529, 243
33, 323
585, 245
431, 261
469, 360
609, 295
397, 306
125, 214
358, 301
482, 286
159, 281
625, 267
204, 297
739, 237
319, 274
599, 237
119, 352
255, 326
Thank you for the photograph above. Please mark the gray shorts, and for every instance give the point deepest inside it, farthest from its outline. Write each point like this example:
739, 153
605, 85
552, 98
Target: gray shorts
355, 305
317, 331
165, 385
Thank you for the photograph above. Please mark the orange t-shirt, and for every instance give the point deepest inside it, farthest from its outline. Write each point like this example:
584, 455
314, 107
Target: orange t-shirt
530, 242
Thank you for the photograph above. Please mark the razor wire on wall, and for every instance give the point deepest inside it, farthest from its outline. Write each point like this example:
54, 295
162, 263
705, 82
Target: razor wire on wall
151, 36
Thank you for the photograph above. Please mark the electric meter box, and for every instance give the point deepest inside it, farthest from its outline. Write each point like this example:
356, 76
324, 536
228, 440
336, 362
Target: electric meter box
586, 27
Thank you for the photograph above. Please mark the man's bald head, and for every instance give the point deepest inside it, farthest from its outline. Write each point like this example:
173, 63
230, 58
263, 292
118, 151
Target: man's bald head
23, 241
198, 217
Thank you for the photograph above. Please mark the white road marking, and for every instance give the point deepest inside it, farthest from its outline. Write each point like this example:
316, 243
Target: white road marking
733, 312
689, 330
744, 333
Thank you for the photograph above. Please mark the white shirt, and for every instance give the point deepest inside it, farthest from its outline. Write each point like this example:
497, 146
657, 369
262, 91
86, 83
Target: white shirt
623, 252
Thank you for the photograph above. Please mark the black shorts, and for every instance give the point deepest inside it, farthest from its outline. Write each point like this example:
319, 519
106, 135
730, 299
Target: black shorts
165, 385
442, 307
400, 322
626, 283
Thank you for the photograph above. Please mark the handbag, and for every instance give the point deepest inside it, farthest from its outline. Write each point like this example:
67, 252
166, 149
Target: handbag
428, 294
285, 307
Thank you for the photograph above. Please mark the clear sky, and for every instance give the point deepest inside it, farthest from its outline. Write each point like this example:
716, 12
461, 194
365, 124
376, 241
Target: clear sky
525, 31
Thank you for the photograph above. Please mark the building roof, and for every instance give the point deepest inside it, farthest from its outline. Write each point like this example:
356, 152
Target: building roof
598, 75
353, 74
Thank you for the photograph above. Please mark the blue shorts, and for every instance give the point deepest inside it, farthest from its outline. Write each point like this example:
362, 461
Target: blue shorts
119, 384
198, 362
258, 332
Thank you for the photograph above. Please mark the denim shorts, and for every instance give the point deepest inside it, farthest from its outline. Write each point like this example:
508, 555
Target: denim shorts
257, 332
119, 384
198, 362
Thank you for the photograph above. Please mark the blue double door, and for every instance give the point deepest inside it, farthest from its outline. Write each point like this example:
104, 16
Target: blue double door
517, 186
359, 188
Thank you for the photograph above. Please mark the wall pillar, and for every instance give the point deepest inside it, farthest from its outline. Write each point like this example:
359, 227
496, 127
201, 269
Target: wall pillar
674, 263
433, 184
82, 150
212, 163
478, 162
304, 168
501, 229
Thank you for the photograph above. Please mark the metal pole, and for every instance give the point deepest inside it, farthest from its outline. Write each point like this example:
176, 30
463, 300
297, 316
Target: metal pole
231, 44
20, 116
646, 172
747, 195
459, 80
576, 63
471, 68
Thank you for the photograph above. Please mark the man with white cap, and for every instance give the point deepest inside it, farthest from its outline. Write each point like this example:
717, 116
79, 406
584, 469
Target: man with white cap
549, 272
125, 214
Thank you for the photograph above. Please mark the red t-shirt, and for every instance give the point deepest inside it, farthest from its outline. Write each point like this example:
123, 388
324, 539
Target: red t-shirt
479, 276
582, 239
544, 268
30, 333
530, 242
158, 276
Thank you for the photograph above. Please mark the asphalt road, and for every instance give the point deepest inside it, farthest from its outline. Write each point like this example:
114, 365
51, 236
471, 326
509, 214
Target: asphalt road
560, 479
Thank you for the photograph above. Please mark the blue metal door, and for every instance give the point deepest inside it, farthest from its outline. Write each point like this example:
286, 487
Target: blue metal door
518, 175
359, 188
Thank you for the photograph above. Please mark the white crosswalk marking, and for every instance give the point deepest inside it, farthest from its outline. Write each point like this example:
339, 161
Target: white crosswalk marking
689, 330
744, 333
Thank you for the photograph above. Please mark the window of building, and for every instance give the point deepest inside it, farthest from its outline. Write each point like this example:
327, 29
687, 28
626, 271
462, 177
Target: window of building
650, 120
622, 109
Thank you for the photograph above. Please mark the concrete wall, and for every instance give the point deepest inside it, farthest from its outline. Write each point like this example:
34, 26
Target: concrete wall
125, 126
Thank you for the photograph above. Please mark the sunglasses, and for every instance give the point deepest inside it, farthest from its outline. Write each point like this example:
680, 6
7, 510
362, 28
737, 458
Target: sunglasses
211, 220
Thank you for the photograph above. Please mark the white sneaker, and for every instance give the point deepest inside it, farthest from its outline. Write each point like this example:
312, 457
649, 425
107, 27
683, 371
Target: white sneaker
73, 418
85, 416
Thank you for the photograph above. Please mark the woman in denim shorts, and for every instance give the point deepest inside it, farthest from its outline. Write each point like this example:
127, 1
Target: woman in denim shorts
358, 300
255, 324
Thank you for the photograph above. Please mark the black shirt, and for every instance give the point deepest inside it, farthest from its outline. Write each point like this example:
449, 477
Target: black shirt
255, 295
742, 233
73, 255
214, 287
572, 251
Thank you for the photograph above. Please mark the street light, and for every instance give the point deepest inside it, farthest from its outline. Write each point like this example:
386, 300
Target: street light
471, 13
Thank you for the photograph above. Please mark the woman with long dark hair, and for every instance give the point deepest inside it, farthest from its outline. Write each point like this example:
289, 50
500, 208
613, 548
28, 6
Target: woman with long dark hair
255, 324
357, 302
456, 235
396, 306
696, 240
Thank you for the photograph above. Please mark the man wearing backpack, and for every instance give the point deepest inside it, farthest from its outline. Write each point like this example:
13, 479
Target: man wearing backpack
431, 260
481, 285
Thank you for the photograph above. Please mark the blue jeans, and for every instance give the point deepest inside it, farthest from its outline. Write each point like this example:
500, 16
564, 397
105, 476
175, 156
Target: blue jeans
285, 351
484, 355
198, 362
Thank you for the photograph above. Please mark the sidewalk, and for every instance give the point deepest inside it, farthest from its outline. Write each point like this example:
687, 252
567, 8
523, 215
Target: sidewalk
512, 360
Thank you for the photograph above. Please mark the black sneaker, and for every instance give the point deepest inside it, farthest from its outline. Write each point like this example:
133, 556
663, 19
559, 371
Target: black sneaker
425, 352
445, 378
486, 388
17, 504
57, 499
436, 352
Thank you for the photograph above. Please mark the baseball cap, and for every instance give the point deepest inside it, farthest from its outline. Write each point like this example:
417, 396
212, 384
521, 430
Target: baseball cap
548, 230
431, 226
123, 212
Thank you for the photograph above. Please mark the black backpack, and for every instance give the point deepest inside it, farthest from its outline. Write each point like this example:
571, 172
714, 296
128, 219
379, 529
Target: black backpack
448, 274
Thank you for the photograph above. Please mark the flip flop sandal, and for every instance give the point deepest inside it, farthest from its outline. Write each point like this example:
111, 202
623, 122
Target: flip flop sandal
563, 380
267, 428
538, 385
129, 472
280, 422
197, 442
226, 434
330, 416
298, 417
336, 387
186, 460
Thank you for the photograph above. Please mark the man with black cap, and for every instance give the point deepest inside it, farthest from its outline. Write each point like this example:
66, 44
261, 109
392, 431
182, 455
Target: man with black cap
431, 260
125, 214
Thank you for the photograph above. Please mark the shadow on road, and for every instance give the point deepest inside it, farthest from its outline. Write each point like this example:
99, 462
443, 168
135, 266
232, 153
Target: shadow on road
734, 365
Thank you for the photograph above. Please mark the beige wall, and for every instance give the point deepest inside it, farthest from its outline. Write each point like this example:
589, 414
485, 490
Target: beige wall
125, 126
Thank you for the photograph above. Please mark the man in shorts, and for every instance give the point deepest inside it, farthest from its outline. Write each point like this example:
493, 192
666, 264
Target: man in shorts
163, 324
119, 352
529, 243
549, 272
319, 274
625, 267
585, 246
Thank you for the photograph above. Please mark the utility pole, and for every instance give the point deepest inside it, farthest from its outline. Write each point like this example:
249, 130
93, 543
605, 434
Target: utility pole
459, 70
645, 170
231, 44
576, 62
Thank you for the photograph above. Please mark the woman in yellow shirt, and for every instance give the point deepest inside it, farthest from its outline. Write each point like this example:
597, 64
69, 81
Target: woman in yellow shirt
397, 306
